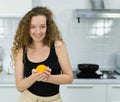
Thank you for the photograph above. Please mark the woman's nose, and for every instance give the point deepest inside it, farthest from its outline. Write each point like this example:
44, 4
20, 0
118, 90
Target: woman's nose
38, 30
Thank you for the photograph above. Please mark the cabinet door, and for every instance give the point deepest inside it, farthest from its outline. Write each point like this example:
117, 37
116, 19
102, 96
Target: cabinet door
83, 93
14, 7
8, 94
113, 91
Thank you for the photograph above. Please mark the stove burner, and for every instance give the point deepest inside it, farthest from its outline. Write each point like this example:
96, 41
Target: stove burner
81, 75
88, 75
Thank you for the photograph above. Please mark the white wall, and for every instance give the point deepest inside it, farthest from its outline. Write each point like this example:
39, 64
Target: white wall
81, 48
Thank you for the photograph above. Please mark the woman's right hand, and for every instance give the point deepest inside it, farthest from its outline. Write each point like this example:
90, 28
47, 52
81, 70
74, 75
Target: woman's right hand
41, 76
37, 76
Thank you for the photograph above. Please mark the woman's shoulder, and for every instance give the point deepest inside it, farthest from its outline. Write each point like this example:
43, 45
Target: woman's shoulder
19, 52
58, 43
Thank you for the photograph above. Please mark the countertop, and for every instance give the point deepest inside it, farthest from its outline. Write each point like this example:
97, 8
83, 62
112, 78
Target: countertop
6, 79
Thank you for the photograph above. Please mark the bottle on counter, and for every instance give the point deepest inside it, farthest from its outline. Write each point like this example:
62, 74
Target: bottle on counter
1, 58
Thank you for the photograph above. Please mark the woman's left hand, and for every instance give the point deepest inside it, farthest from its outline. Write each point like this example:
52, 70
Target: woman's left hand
46, 74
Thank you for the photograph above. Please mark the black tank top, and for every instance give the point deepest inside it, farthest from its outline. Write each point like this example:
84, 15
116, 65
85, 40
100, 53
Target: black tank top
43, 88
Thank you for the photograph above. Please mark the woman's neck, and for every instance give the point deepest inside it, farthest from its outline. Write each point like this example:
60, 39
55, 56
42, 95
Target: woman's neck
37, 45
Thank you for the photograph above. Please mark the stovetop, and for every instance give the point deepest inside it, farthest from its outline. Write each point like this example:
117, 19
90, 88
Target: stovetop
102, 76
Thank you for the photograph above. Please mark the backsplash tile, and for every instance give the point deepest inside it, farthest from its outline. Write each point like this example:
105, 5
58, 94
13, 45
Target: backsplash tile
101, 50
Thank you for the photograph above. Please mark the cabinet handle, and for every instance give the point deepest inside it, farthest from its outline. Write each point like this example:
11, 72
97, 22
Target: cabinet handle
114, 100
115, 86
7, 85
80, 86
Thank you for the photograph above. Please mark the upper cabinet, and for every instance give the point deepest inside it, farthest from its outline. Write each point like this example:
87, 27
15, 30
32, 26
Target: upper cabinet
14, 8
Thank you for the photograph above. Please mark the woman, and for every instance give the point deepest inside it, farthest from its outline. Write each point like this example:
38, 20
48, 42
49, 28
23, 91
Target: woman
38, 41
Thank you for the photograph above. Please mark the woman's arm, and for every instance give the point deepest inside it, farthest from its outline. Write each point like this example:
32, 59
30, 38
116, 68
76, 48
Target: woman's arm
21, 82
67, 76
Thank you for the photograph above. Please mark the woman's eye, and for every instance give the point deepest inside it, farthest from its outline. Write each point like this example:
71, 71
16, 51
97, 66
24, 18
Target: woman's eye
32, 27
43, 26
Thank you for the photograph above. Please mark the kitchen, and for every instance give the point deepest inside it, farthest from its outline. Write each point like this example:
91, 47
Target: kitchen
83, 47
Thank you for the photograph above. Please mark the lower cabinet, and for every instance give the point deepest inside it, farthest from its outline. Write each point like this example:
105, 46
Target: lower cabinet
113, 93
83, 93
8, 93
72, 93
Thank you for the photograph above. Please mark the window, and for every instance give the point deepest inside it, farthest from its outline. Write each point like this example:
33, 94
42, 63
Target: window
101, 27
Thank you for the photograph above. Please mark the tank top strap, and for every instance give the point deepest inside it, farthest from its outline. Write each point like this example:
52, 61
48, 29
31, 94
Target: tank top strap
24, 54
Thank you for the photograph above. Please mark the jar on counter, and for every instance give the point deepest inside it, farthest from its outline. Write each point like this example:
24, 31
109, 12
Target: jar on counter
1, 66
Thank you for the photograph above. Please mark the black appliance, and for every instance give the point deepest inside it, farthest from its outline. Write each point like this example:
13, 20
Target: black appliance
88, 71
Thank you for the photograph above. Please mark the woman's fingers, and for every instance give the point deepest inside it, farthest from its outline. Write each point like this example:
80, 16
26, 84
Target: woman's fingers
46, 74
41, 76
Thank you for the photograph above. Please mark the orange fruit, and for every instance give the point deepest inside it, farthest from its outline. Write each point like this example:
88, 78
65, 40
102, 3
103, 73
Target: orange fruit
41, 68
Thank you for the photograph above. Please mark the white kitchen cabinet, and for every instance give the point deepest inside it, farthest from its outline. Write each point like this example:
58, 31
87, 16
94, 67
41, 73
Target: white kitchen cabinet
14, 8
83, 93
8, 93
113, 93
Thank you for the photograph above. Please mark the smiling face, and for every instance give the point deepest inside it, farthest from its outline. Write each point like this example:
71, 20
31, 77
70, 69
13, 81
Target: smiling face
38, 28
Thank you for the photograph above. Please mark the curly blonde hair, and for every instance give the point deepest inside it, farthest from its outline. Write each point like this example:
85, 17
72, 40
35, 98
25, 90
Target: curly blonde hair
22, 37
